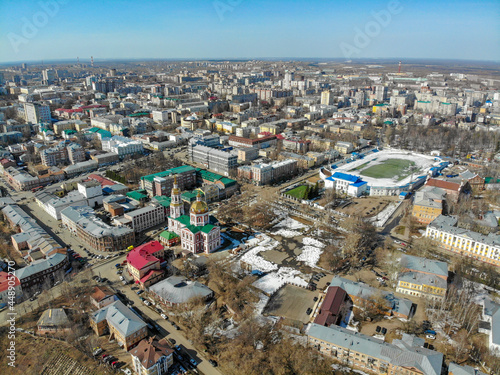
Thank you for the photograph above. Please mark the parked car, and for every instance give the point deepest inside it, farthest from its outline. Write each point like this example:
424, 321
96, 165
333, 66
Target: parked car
212, 362
308, 311
97, 351
140, 291
164, 316
171, 341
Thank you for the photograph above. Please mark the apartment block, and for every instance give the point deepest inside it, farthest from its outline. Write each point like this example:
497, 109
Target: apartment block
82, 222
421, 277
444, 231
219, 161
162, 183
403, 356
122, 146
146, 217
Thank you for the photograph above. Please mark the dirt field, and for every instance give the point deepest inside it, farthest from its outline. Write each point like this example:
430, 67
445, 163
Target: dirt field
36, 355
366, 207
291, 302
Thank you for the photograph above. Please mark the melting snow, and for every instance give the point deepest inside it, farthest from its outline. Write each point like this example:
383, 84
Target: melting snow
273, 281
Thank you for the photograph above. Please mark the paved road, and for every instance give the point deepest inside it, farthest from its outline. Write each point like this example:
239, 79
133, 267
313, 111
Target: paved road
108, 270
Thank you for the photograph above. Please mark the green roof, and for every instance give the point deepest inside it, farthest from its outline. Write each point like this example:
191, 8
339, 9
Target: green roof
209, 176
207, 228
490, 180
168, 235
184, 219
138, 114
104, 133
137, 195
193, 228
189, 196
168, 172
69, 131
163, 200
228, 181
423, 101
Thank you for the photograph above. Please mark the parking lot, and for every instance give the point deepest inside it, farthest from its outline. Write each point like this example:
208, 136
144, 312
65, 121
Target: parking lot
292, 302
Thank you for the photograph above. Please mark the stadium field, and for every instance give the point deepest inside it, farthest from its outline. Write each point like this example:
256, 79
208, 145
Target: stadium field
390, 168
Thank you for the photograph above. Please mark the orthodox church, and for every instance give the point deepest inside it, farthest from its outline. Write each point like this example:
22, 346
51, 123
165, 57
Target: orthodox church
195, 232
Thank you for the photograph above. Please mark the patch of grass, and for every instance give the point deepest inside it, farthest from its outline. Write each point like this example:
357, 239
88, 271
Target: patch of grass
389, 168
400, 230
300, 192
360, 166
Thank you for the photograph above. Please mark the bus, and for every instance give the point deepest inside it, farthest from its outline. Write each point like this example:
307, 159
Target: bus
36, 189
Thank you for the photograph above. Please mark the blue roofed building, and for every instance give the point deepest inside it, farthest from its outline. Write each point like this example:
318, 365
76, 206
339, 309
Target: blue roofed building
361, 293
121, 323
348, 184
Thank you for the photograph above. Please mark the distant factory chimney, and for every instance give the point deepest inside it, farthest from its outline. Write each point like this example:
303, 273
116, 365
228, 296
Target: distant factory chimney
399, 70
92, 61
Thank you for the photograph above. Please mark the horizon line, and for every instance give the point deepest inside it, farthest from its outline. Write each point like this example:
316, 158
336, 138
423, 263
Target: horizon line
285, 58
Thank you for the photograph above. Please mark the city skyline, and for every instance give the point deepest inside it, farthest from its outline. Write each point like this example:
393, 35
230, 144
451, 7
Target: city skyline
234, 29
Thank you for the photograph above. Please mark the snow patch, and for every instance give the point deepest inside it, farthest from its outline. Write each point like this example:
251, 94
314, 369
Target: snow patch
275, 280
287, 233
252, 258
291, 224
310, 255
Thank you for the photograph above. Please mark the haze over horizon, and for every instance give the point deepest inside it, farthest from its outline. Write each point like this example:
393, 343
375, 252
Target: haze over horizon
237, 29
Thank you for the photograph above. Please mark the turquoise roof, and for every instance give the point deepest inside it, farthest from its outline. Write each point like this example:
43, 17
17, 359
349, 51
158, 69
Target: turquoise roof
168, 172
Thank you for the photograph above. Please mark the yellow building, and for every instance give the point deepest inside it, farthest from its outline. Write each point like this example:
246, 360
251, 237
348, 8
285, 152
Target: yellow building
120, 323
463, 241
428, 204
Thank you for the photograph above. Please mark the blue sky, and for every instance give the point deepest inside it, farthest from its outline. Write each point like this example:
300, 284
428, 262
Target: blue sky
29, 30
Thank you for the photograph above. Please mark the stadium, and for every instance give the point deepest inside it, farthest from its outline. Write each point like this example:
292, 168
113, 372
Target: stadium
381, 172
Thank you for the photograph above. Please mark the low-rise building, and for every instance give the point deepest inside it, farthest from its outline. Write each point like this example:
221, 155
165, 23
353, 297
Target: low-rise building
428, 204
41, 271
144, 263
106, 159
421, 277
53, 322
20, 180
464, 242
344, 147
175, 290
146, 217
152, 357
122, 146
388, 304
456, 369
404, 356
31, 237
348, 184
82, 222
334, 308
10, 283
102, 296
120, 323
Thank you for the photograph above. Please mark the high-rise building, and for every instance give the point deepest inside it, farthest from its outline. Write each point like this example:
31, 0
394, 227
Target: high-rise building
327, 98
48, 76
36, 113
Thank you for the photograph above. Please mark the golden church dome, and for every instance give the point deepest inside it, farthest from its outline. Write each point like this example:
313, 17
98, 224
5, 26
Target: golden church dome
199, 206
